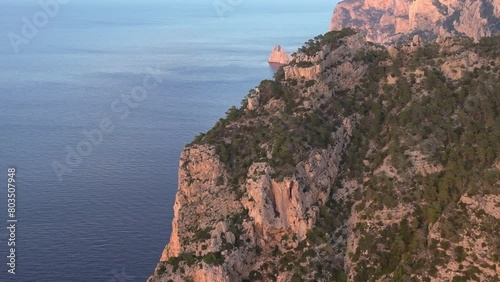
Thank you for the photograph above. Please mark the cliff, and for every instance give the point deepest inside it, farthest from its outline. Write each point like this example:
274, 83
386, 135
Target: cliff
387, 21
358, 162
279, 56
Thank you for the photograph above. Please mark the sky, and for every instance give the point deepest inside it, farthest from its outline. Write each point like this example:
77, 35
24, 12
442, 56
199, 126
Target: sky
271, 4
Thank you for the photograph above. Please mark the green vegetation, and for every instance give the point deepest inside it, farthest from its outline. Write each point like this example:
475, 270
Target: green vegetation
213, 258
202, 234
454, 124
304, 64
457, 124
288, 136
188, 258
255, 276
313, 46
310, 83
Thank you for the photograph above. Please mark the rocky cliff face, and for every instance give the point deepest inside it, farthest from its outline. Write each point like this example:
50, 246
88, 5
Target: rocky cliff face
279, 56
356, 163
387, 21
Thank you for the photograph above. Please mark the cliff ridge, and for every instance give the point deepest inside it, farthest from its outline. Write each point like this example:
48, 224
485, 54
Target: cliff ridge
389, 21
357, 162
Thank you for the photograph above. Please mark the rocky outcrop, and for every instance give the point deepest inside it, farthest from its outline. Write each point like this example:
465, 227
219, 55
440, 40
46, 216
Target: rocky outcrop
481, 212
289, 207
386, 21
311, 72
421, 165
218, 223
356, 163
253, 100
270, 209
488, 203
279, 56
344, 74
461, 61
201, 177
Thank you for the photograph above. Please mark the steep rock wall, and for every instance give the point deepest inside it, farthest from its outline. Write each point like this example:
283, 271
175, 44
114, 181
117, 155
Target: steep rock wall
392, 20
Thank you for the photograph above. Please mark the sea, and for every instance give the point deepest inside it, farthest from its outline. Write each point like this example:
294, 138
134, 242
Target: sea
97, 101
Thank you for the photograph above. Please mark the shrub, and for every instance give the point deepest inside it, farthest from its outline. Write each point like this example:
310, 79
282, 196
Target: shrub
310, 83
460, 253
213, 258
255, 275
304, 64
202, 234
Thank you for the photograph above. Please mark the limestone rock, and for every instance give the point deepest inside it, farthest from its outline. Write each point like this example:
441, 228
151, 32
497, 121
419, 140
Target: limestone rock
489, 203
421, 165
306, 73
254, 100
275, 208
252, 217
286, 207
201, 175
386, 21
279, 56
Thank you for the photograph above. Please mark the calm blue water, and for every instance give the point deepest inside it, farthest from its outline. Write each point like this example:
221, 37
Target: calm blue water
109, 219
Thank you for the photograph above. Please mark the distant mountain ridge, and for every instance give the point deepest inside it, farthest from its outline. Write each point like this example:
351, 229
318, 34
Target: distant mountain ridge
387, 21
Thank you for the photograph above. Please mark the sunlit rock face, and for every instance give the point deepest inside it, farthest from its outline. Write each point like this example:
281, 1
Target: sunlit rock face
279, 56
387, 21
